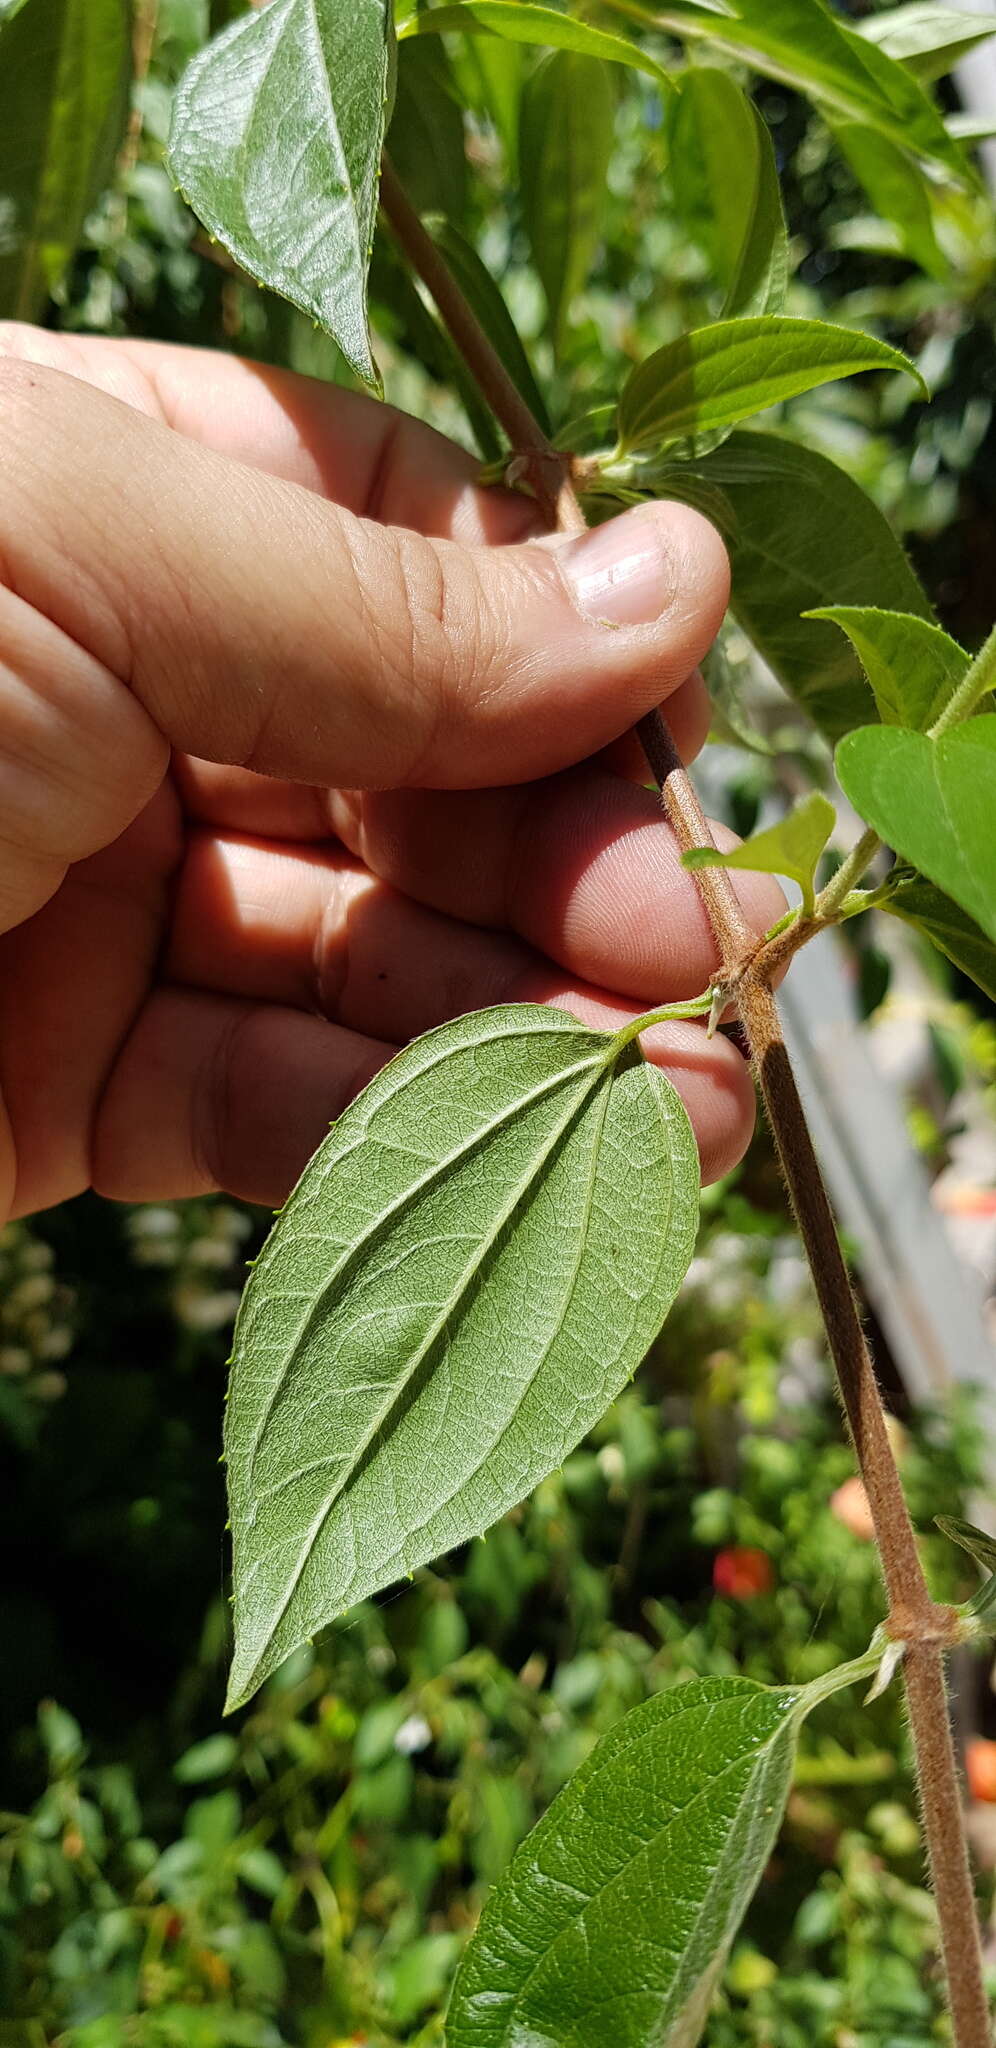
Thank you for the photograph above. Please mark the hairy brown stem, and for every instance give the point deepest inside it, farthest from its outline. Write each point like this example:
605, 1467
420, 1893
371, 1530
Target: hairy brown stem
913, 1617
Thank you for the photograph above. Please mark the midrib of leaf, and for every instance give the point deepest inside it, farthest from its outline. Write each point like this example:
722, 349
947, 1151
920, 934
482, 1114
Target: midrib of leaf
755, 1795
655, 1840
399, 1390
381, 1223
482, 1247
950, 819
488, 1454
334, 122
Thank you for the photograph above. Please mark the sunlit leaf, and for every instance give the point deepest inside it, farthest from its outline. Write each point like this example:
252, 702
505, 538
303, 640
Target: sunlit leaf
565, 145
717, 375
899, 192
521, 22
912, 665
470, 1269
926, 35
276, 141
64, 71
934, 802
978, 1545
723, 173
803, 535
949, 928
792, 847
805, 45
614, 1919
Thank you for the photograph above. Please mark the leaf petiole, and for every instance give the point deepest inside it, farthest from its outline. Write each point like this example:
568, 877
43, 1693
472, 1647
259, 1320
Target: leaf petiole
697, 1006
980, 679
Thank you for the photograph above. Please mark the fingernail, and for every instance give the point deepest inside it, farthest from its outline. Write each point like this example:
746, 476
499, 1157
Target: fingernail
620, 573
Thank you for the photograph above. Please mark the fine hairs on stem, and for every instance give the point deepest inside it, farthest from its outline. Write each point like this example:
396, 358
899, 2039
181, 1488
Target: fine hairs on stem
914, 1619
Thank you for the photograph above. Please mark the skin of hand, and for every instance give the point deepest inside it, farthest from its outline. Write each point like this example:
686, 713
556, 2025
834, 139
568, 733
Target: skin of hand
306, 745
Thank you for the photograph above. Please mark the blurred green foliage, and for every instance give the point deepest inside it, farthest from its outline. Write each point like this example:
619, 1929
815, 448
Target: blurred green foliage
306, 1873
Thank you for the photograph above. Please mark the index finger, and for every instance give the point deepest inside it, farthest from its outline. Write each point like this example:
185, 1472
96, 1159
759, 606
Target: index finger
376, 461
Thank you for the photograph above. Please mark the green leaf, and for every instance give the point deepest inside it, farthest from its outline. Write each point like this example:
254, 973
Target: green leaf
426, 137
566, 126
291, 100
520, 22
792, 847
979, 1546
208, 1759
470, 1269
490, 72
483, 295
805, 46
982, 1548
934, 801
805, 535
65, 67
926, 36
948, 927
898, 190
912, 665
726, 188
717, 375
614, 1919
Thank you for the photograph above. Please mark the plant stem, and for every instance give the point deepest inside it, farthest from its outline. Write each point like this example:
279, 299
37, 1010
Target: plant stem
914, 1619
848, 875
977, 684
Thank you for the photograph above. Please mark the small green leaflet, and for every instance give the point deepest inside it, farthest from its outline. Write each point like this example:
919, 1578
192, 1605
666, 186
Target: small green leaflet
468, 1272
949, 928
566, 132
792, 847
934, 801
521, 22
614, 1919
722, 168
926, 36
292, 99
983, 1549
714, 376
804, 535
912, 665
64, 77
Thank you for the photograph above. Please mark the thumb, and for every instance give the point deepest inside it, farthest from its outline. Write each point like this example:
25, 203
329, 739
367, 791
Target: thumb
255, 623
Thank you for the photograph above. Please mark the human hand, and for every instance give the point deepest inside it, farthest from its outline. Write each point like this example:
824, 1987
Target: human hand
282, 785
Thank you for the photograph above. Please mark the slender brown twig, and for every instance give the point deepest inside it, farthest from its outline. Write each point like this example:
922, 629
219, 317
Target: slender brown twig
914, 1619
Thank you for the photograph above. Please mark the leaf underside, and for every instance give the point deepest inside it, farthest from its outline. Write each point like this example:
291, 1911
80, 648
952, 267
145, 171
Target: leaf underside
471, 1268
